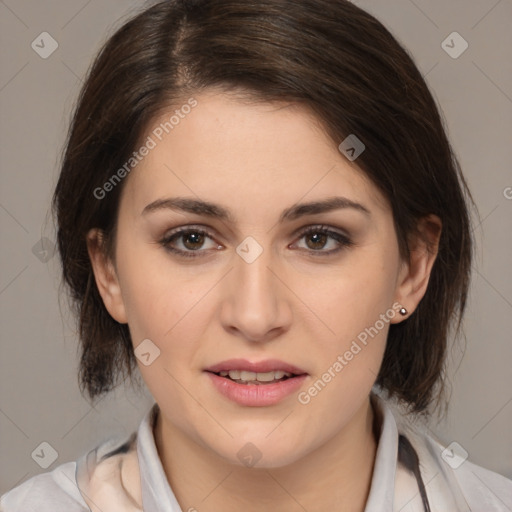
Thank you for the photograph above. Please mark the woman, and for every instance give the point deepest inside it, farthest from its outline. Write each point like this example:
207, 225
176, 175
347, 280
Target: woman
259, 207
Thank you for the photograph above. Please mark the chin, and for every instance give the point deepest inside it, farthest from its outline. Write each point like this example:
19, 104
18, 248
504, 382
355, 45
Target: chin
259, 452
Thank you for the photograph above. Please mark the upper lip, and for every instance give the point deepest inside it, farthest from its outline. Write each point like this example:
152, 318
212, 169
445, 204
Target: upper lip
268, 365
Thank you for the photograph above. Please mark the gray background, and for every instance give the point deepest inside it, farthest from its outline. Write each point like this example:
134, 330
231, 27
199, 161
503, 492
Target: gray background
39, 397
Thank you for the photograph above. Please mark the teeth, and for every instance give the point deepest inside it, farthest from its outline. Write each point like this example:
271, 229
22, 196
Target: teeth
246, 376
253, 376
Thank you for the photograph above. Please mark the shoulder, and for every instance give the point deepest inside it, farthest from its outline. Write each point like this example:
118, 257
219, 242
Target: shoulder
483, 489
105, 478
97, 475
472, 487
54, 491
451, 480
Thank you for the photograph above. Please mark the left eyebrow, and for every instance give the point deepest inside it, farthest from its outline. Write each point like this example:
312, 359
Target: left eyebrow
213, 210
326, 205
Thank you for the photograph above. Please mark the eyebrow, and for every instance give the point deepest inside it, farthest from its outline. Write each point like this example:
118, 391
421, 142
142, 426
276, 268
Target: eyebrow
213, 210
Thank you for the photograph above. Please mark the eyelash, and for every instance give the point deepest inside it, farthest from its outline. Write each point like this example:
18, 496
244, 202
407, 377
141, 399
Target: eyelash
343, 240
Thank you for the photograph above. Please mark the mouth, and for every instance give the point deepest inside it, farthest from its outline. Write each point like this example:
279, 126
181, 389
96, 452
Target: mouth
261, 372
256, 383
256, 378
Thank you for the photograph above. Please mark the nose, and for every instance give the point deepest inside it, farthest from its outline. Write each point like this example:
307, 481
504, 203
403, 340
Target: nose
256, 302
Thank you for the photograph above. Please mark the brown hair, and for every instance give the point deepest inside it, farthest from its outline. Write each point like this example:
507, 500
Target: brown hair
328, 55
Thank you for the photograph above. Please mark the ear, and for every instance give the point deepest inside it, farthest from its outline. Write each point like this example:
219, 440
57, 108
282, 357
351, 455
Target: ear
105, 276
414, 274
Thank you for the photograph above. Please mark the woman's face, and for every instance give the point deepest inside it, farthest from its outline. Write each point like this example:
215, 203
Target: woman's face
255, 288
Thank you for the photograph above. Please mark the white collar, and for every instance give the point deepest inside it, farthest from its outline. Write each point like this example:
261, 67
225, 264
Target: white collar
157, 495
117, 476
382, 487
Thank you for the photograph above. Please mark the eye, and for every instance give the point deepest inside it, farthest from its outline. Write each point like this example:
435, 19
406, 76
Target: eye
190, 241
317, 238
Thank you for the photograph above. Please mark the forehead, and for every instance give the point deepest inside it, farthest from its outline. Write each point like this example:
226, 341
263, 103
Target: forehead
245, 155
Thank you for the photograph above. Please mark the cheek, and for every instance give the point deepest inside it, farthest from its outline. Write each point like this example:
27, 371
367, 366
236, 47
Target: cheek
356, 307
160, 309
355, 296
358, 310
167, 305
166, 310
154, 294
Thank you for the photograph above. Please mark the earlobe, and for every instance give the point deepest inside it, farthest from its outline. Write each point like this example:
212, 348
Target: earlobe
105, 276
414, 274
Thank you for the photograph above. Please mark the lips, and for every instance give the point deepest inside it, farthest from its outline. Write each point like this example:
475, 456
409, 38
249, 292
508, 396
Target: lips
256, 384
269, 365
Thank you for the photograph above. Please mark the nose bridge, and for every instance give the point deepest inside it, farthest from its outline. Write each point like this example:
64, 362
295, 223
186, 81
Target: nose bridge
256, 304
254, 286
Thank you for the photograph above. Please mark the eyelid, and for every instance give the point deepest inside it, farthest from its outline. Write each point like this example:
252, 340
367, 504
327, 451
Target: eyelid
189, 227
182, 230
343, 239
298, 232
320, 227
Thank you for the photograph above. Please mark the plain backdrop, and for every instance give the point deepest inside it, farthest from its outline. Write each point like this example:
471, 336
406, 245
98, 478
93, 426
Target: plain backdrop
39, 396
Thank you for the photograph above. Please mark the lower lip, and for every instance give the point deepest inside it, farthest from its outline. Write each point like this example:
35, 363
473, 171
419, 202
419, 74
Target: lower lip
256, 395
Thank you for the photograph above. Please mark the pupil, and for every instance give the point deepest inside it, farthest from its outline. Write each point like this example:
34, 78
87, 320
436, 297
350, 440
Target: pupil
319, 240
197, 240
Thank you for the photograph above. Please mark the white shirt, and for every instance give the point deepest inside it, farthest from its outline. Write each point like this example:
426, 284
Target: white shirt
127, 476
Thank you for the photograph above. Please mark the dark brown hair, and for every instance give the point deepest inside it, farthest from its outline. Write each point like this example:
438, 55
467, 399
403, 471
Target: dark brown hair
327, 55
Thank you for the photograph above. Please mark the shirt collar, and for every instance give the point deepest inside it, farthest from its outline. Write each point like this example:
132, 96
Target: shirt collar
157, 494
382, 488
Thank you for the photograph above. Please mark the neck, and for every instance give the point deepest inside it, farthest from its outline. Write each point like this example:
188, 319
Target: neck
335, 476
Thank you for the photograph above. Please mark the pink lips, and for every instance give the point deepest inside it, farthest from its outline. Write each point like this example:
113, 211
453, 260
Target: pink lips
256, 395
269, 365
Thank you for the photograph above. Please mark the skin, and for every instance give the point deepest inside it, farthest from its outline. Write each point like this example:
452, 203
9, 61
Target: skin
291, 303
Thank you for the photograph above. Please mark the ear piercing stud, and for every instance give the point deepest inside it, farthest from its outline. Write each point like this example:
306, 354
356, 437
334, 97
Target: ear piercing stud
403, 311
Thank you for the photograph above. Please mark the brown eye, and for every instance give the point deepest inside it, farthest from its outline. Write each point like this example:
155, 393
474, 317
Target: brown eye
318, 238
193, 240
190, 242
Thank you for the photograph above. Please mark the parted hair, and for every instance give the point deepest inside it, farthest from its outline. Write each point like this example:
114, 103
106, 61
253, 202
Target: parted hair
327, 55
